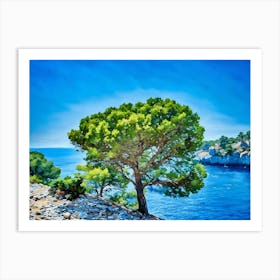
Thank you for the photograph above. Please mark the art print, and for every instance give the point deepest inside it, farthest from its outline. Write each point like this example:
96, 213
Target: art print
139, 139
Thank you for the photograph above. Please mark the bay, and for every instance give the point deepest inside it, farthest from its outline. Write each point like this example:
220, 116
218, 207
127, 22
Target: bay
225, 196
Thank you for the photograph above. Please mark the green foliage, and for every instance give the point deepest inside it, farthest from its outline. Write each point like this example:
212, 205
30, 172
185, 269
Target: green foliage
195, 182
229, 149
248, 135
71, 186
100, 179
241, 136
125, 198
35, 179
223, 141
42, 170
151, 143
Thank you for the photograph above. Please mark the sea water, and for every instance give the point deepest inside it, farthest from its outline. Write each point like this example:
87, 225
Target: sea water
225, 195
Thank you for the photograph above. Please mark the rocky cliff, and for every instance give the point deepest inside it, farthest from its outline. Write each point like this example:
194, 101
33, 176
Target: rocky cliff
236, 158
217, 153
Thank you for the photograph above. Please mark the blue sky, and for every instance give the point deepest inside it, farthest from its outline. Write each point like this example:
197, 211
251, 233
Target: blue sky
64, 91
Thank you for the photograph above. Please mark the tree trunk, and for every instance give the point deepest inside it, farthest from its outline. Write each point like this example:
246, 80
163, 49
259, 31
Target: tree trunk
142, 204
101, 190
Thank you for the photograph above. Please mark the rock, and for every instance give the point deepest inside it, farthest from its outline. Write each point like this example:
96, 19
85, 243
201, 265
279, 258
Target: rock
75, 215
67, 215
212, 152
86, 207
225, 151
83, 215
244, 145
242, 159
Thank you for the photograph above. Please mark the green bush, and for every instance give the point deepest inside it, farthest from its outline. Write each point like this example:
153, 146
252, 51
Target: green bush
73, 187
42, 170
35, 179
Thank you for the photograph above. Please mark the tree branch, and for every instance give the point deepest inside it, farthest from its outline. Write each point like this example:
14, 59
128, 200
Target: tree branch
159, 151
167, 183
123, 173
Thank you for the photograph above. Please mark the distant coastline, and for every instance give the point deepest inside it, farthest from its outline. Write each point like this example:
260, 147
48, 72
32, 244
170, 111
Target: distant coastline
229, 160
208, 155
227, 151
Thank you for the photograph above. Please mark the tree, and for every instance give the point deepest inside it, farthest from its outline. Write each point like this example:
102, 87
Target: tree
223, 141
241, 136
228, 149
248, 135
100, 179
150, 143
42, 170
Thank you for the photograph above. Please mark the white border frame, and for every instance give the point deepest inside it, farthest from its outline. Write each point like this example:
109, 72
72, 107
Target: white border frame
254, 55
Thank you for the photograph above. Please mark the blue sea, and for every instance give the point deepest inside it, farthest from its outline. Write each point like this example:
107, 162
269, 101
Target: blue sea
225, 196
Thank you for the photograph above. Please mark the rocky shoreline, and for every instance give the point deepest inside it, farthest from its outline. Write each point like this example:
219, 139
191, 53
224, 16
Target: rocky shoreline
237, 159
48, 205
226, 151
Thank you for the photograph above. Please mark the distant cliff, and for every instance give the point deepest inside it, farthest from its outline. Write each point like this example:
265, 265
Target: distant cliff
227, 151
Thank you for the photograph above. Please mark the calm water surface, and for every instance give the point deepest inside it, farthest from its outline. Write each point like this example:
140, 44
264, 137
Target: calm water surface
225, 196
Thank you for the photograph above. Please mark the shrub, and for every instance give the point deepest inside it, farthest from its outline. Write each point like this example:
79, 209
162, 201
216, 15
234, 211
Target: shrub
42, 170
35, 179
72, 187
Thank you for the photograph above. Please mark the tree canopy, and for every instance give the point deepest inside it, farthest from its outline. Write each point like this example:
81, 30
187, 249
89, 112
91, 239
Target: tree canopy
42, 170
151, 143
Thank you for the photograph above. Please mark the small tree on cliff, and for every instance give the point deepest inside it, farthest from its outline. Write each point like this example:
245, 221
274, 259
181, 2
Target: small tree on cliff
99, 179
150, 143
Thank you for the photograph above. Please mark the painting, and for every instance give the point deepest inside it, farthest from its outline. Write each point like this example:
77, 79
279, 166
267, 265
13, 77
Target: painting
139, 139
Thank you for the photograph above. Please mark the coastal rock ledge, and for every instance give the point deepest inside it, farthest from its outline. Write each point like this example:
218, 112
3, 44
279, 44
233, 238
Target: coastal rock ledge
236, 159
45, 205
